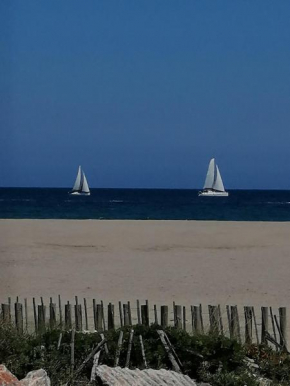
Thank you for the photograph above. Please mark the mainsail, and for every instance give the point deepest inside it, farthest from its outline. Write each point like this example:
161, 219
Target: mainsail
77, 184
213, 178
81, 183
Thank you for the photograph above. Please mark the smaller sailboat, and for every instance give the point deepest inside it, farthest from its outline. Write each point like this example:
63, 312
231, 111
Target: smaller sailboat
81, 187
213, 185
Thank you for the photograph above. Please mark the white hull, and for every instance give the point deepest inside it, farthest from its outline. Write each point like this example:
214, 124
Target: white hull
80, 194
207, 193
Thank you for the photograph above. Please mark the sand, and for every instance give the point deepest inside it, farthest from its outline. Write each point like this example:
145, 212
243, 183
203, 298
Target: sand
189, 262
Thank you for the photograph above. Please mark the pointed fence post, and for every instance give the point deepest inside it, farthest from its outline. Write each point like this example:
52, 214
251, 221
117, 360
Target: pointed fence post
264, 311
19, 317
111, 317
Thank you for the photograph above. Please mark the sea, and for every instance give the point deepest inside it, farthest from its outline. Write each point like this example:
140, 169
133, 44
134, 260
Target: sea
144, 204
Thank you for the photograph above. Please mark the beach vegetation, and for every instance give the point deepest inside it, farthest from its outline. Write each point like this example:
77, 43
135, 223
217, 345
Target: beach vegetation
210, 358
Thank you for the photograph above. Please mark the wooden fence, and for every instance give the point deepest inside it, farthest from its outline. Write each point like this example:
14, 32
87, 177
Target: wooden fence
243, 323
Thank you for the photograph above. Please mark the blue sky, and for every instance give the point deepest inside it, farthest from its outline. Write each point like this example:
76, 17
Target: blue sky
144, 93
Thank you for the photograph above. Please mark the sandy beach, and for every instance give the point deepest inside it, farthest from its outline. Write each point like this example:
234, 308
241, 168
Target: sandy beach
184, 261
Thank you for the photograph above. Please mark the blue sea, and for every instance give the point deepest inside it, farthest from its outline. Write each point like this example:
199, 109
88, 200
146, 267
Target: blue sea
143, 204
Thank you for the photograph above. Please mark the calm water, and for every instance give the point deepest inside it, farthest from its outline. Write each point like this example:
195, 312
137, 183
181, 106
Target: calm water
159, 204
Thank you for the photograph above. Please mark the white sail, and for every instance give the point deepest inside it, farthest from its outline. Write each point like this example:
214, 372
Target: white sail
209, 179
85, 186
218, 183
77, 184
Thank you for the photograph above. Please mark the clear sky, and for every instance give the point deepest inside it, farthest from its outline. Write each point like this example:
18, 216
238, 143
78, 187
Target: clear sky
143, 93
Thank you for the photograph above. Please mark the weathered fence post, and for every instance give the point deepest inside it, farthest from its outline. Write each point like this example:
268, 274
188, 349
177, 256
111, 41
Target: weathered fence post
248, 324
67, 316
119, 348
86, 314
178, 317
78, 316
129, 312
60, 311
127, 364
214, 319
19, 317
121, 315
111, 317
41, 318
126, 314
26, 314
138, 312
52, 314
197, 320
6, 316
35, 315
99, 317
144, 315
95, 313
283, 326
264, 311
235, 323
164, 316
184, 318
155, 314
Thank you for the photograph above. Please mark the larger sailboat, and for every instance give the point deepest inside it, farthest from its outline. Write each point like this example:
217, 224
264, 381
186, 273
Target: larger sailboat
213, 185
81, 187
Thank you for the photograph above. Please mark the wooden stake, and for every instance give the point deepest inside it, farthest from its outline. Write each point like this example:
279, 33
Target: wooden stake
129, 312
213, 319
264, 311
67, 316
111, 317
155, 314
169, 352
283, 326
164, 316
119, 348
95, 313
144, 315
60, 311
255, 324
35, 315
129, 348
273, 326
103, 316
248, 324
72, 352
126, 315
52, 315
19, 317
121, 315
178, 317
26, 314
99, 317
143, 352
86, 314
138, 312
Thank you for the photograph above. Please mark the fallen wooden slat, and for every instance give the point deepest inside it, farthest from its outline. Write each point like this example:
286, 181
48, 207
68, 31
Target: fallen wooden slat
118, 351
129, 348
169, 351
143, 351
